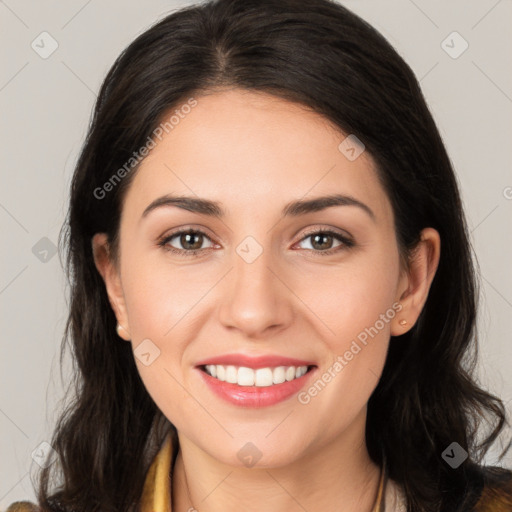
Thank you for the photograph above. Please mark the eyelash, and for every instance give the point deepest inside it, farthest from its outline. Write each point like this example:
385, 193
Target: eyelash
347, 243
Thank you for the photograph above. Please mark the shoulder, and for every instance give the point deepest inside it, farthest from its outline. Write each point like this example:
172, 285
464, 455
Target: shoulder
496, 494
23, 506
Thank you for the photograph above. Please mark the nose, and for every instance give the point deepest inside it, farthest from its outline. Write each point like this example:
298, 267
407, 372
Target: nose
256, 299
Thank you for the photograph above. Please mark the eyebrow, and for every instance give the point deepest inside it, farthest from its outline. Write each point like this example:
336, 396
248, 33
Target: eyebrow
292, 209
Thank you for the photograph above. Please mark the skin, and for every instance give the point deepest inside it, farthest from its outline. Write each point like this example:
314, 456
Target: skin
254, 153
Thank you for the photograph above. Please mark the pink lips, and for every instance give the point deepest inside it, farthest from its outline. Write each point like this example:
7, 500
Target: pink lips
255, 396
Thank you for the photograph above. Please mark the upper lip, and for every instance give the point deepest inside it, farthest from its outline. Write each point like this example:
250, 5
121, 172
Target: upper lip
255, 362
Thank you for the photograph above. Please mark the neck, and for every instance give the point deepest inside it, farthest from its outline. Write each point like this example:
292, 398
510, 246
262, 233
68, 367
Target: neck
336, 477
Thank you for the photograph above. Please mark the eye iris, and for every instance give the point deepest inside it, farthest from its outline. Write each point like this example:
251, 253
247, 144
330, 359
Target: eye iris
321, 236
185, 240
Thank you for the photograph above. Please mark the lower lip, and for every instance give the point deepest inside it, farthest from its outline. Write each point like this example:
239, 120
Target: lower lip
255, 396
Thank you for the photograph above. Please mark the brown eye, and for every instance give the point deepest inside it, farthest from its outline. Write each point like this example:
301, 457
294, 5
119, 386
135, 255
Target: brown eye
322, 242
190, 242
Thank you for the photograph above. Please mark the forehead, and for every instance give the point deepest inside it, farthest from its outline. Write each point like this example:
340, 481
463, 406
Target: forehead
250, 151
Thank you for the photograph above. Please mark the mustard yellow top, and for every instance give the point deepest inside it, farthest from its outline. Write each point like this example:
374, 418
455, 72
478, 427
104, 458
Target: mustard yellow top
156, 495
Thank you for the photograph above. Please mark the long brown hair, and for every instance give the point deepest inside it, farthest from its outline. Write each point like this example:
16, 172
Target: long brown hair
319, 54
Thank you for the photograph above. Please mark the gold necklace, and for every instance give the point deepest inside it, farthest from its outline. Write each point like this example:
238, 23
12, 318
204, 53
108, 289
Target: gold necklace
378, 506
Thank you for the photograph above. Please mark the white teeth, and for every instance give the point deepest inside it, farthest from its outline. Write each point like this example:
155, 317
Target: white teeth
245, 376
212, 369
231, 374
262, 377
279, 375
221, 372
299, 372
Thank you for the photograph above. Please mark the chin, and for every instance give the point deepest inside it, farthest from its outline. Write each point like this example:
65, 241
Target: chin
257, 452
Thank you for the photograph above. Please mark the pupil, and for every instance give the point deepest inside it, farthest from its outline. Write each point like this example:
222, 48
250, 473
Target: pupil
187, 237
321, 237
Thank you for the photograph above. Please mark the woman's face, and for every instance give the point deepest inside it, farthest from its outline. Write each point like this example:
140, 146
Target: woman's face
263, 283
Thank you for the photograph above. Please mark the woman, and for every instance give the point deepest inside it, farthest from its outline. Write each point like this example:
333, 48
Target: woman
273, 296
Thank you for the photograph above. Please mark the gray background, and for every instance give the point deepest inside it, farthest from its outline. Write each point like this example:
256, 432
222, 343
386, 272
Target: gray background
45, 107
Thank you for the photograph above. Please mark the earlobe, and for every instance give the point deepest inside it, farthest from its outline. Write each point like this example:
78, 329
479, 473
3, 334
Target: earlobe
400, 325
111, 278
417, 281
122, 332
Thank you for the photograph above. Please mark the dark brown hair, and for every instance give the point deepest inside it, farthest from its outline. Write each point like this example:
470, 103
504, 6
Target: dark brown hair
319, 54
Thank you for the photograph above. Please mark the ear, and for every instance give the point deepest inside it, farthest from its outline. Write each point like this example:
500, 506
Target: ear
415, 282
111, 277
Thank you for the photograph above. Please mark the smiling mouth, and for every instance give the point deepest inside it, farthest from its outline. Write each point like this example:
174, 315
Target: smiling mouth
261, 377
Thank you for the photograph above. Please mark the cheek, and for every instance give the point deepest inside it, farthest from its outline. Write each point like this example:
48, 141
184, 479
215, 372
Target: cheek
159, 302
351, 296
162, 302
357, 302
160, 296
357, 357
